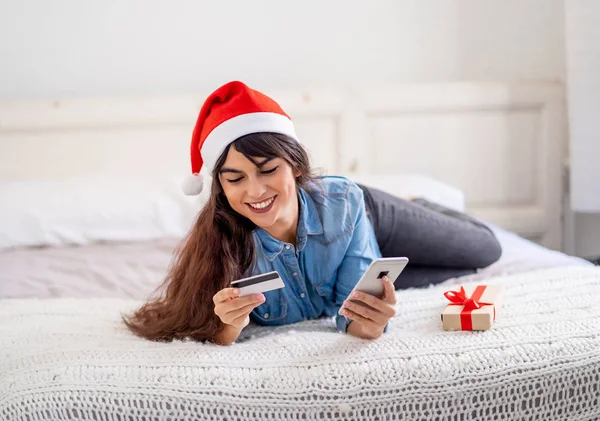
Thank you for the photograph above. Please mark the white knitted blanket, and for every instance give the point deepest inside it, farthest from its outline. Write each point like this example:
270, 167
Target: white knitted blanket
73, 359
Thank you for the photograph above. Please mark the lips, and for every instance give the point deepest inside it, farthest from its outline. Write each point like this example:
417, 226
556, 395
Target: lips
265, 209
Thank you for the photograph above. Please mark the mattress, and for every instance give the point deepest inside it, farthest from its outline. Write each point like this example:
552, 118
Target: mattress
72, 358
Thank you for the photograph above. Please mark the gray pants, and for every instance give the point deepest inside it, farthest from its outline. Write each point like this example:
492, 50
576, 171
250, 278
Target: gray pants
440, 243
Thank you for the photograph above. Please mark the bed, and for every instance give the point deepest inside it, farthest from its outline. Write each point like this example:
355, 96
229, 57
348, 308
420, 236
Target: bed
71, 357
65, 354
76, 254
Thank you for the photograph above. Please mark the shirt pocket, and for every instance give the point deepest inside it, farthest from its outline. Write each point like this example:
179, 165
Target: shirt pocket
326, 260
324, 288
272, 312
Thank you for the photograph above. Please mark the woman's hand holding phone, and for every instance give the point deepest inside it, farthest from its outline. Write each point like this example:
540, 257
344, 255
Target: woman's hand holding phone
370, 314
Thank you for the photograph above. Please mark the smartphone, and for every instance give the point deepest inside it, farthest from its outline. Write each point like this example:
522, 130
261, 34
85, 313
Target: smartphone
258, 283
371, 283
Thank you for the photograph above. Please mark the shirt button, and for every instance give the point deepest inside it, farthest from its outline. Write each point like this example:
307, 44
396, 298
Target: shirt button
287, 247
266, 315
295, 273
302, 295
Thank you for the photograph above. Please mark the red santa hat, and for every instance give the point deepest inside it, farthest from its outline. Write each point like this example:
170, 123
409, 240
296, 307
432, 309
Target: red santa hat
232, 111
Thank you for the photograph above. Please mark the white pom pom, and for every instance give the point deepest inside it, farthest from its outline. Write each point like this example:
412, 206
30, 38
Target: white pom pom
192, 184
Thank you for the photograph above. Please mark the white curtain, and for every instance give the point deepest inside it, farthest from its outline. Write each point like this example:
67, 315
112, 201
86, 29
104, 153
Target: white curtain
582, 30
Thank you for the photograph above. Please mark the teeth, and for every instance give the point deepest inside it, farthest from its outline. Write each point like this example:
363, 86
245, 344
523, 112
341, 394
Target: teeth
261, 205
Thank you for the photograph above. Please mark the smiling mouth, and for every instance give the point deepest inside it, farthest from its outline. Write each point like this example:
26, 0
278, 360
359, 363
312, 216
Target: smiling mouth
263, 206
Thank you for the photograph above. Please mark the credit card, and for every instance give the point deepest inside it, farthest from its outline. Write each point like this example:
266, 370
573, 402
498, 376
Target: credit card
258, 283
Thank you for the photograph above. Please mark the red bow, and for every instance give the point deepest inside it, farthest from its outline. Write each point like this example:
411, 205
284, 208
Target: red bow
459, 298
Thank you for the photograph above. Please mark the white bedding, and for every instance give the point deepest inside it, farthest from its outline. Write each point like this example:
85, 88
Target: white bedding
134, 270
121, 270
73, 359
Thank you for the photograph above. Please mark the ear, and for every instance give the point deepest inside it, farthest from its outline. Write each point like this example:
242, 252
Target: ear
297, 173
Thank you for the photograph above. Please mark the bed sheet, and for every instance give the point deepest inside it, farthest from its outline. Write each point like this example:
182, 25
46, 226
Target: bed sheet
135, 270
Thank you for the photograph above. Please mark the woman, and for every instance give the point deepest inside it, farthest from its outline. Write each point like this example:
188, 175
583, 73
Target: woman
267, 211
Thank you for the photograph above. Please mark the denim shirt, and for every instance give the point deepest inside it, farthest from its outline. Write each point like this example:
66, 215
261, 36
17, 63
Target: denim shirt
335, 244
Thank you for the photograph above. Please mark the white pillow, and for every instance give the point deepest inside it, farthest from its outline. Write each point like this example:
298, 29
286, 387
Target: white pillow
97, 209
85, 211
415, 185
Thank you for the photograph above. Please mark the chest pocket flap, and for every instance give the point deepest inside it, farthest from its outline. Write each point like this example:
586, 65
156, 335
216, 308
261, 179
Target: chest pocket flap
273, 311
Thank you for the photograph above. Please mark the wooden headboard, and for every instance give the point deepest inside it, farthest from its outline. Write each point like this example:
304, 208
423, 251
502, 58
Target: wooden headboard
503, 144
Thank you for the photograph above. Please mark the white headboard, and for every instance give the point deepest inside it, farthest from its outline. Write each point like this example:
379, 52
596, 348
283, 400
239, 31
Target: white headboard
502, 144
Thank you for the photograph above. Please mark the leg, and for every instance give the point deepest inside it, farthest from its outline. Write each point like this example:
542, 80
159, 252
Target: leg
430, 235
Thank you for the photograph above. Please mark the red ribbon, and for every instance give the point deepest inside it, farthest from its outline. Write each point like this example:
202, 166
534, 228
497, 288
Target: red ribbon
459, 298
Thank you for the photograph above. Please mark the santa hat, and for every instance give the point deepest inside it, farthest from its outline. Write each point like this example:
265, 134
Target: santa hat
232, 111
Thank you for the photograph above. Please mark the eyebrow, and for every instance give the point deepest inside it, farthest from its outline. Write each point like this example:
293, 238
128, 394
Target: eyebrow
232, 170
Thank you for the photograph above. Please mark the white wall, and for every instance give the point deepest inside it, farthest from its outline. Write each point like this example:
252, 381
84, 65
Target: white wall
65, 48
582, 36
587, 235
81, 48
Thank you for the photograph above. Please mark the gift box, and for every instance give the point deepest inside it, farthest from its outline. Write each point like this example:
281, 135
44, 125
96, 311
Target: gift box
473, 307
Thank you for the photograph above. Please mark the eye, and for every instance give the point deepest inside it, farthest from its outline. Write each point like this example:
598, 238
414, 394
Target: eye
271, 171
237, 180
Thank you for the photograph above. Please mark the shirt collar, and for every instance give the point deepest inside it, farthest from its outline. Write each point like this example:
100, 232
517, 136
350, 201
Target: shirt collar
308, 224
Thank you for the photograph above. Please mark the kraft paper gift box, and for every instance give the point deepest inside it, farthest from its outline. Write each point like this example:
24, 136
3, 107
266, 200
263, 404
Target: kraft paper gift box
473, 307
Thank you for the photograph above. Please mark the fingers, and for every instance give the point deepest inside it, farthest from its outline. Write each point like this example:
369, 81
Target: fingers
366, 323
225, 294
228, 294
242, 311
241, 322
384, 305
389, 295
367, 313
229, 306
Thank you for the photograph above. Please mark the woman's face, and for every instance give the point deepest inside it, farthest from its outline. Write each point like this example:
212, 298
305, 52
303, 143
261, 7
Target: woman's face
265, 194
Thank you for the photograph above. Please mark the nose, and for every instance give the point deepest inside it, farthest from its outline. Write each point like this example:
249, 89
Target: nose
256, 190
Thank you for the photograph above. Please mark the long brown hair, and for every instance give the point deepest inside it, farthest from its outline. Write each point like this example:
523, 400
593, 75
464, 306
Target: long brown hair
218, 250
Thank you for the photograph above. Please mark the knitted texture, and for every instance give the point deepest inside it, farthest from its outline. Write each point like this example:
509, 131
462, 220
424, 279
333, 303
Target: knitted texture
73, 359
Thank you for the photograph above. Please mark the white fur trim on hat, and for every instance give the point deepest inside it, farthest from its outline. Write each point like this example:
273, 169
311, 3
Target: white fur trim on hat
192, 184
241, 125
